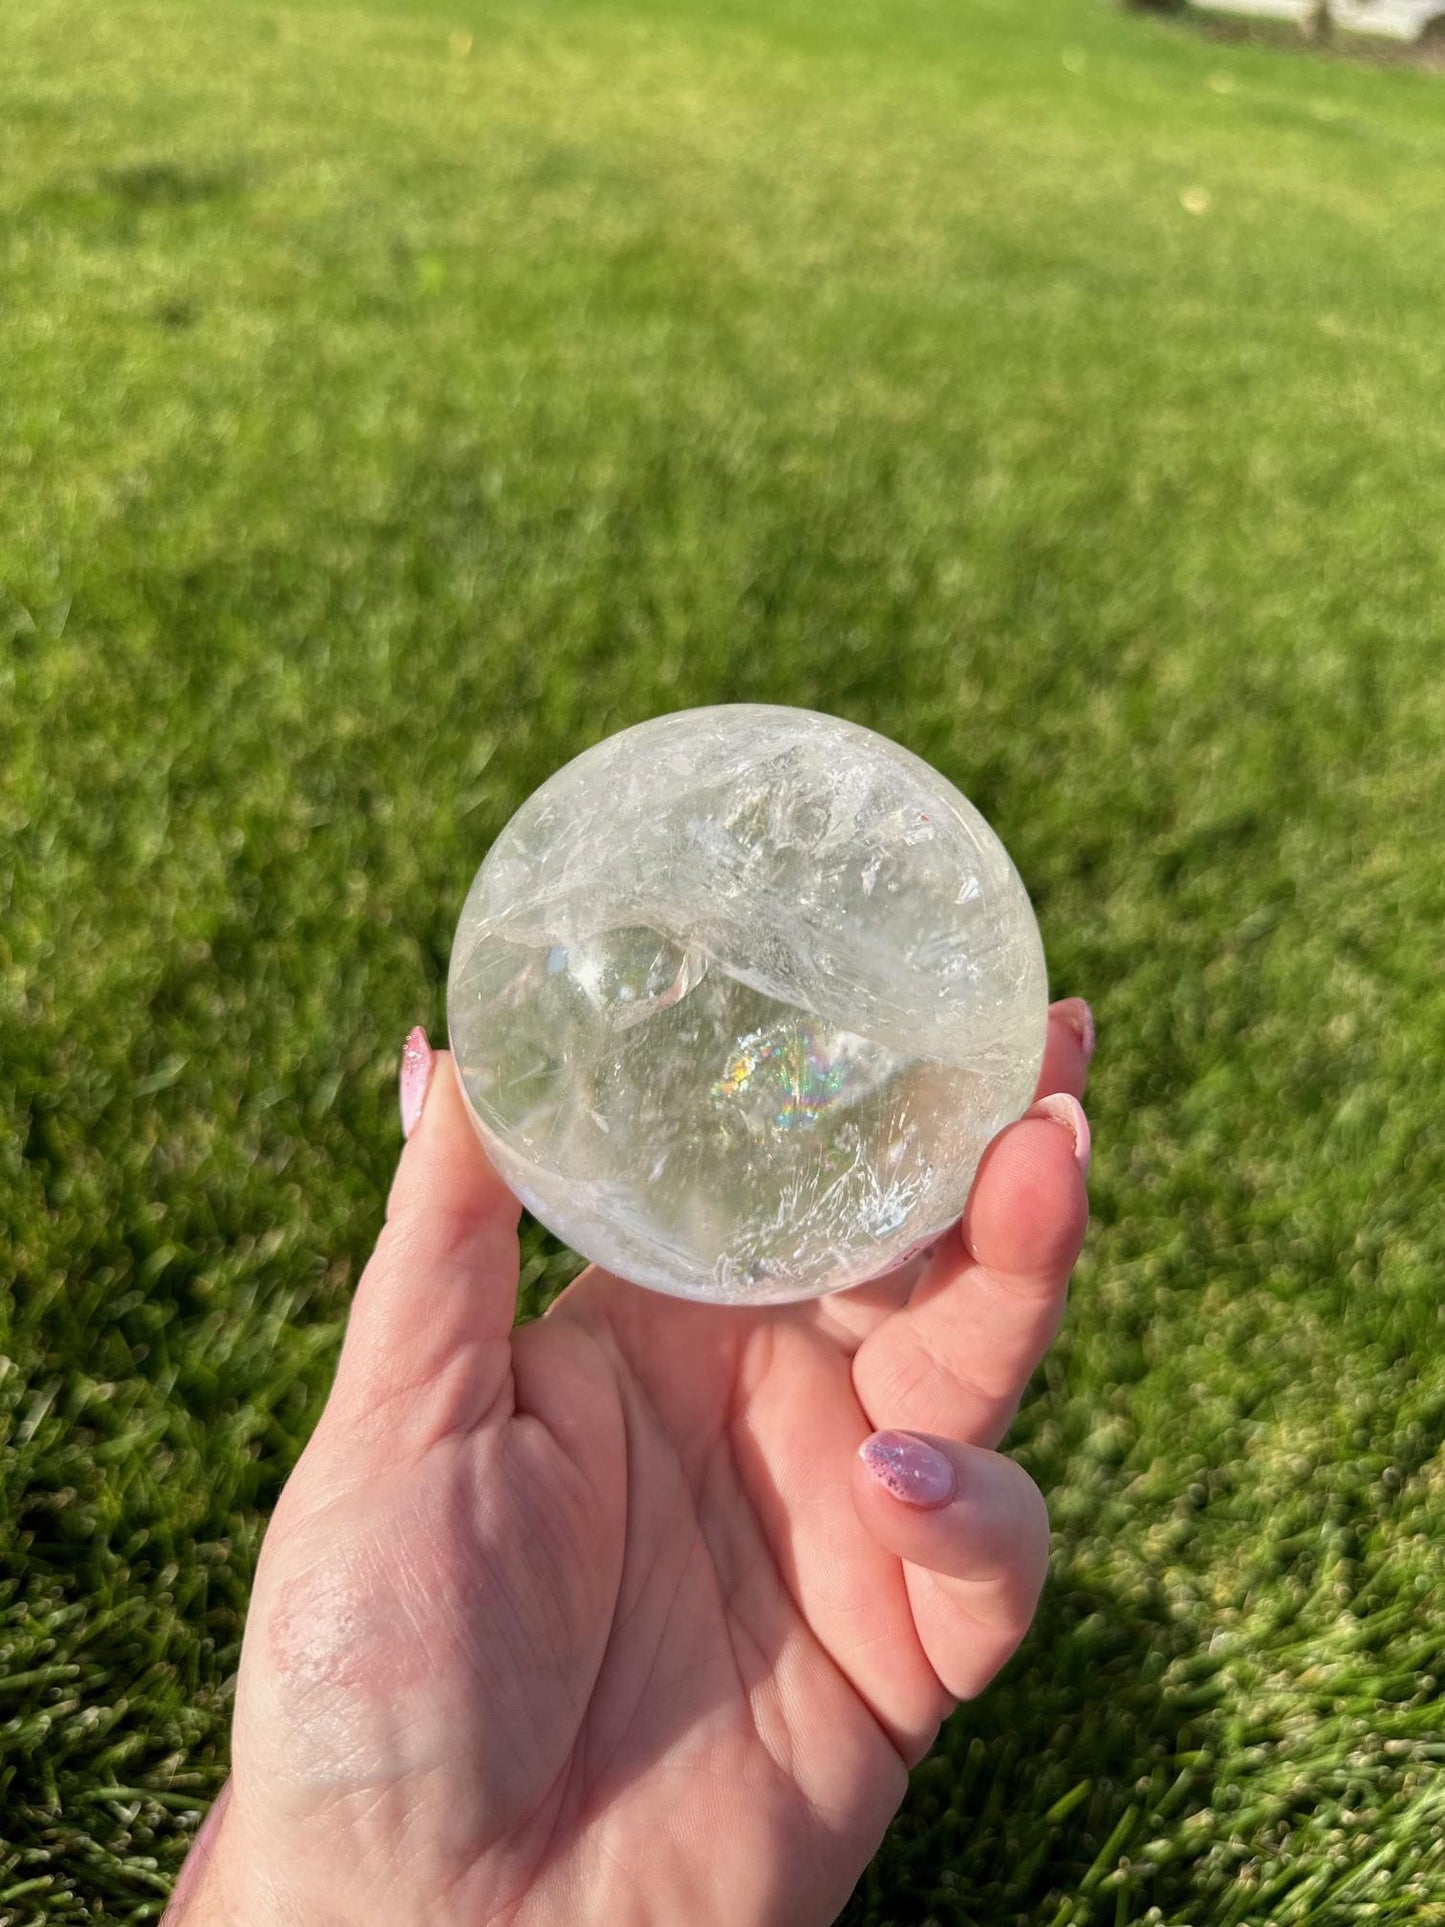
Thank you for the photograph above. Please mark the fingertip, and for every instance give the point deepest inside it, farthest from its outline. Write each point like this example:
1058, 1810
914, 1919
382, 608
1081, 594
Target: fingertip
1065, 1110
444, 1167
909, 1469
417, 1062
1029, 1208
957, 1510
1076, 1014
1069, 1046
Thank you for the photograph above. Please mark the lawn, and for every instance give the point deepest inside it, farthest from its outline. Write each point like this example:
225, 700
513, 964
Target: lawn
395, 398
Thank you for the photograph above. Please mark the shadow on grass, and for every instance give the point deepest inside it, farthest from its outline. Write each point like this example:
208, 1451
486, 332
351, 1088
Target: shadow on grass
113, 201
1039, 1797
174, 183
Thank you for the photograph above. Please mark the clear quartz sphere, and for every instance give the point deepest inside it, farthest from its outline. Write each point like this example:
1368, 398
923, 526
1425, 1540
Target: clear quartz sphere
738, 998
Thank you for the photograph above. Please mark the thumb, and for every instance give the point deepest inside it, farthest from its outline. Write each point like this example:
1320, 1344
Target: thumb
427, 1347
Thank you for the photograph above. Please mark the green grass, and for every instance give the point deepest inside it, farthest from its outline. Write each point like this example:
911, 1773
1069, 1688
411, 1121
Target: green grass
395, 399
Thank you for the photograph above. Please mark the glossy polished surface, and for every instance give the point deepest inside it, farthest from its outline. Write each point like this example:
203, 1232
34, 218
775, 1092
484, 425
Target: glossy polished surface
738, 998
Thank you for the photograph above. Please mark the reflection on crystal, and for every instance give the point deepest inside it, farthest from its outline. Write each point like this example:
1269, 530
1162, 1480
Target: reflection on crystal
738, 998
797, 1068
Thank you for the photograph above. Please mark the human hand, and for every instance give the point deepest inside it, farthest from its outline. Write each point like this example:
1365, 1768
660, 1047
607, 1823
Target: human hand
606, 1617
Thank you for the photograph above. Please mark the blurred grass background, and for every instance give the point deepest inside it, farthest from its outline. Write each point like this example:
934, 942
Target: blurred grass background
397, 397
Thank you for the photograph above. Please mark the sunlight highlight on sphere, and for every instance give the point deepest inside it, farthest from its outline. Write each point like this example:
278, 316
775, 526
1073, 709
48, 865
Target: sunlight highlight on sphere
738, 998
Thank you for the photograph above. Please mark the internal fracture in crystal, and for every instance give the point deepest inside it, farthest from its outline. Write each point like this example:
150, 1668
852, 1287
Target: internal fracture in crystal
738, 999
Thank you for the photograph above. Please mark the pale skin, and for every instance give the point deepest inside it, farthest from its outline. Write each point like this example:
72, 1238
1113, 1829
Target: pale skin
604, 1618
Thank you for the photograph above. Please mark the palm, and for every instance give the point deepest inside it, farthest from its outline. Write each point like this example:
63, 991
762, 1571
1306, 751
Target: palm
751, 1635
593, 1627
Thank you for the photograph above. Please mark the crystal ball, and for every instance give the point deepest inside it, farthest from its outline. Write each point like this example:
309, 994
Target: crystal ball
738, 998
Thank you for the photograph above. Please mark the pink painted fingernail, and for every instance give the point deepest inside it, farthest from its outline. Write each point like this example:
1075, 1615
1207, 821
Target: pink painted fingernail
912, 1471
1080, 1020
1068, 1112
416, 1063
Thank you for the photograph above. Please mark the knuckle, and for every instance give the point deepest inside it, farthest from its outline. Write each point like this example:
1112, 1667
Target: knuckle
910, 1381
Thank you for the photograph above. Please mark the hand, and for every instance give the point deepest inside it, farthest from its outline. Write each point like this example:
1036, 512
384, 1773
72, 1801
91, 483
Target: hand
605, 1618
